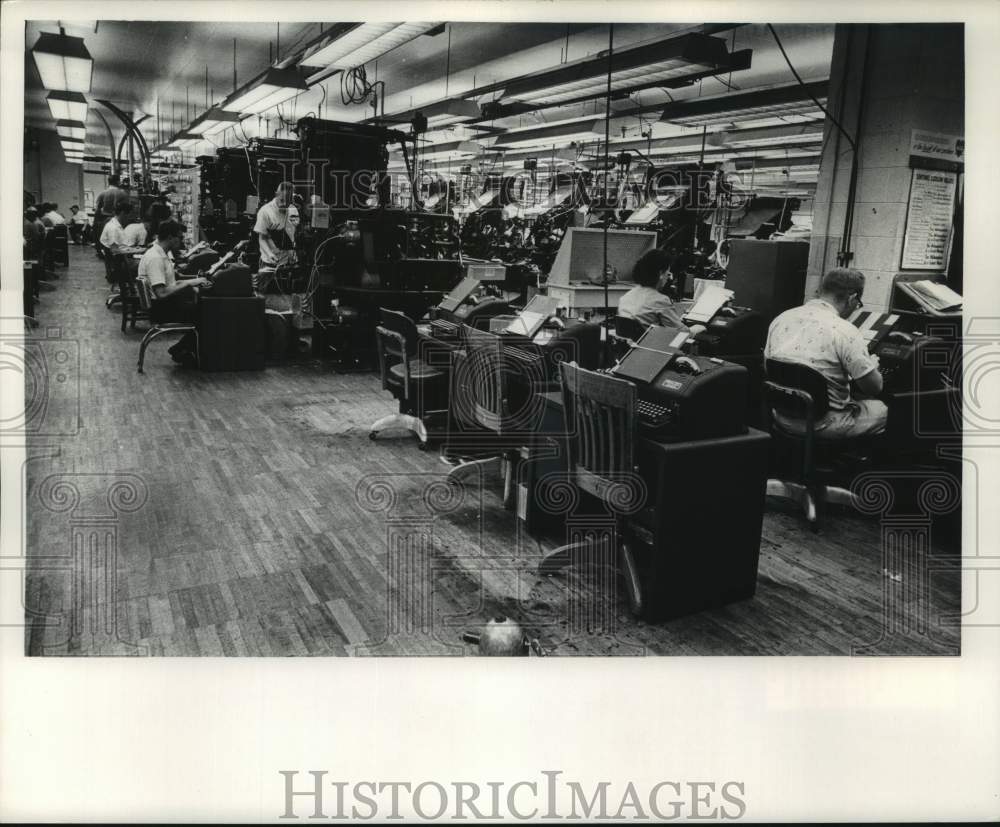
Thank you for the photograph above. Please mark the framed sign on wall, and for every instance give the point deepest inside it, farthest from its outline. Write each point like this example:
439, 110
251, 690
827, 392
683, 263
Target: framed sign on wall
929, 220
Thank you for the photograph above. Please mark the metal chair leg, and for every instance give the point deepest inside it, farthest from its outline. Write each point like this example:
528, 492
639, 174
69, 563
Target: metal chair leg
633, 587
561, 557
154, 331
464, 470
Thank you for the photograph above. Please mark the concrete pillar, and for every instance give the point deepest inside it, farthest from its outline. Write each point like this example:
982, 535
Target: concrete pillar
914, 79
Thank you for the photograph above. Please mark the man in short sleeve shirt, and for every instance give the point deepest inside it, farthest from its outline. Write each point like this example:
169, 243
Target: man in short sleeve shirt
818, 334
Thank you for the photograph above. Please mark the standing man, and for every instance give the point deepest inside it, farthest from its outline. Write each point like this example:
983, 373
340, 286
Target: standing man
175, 301
818, 335
104, 208
275, 231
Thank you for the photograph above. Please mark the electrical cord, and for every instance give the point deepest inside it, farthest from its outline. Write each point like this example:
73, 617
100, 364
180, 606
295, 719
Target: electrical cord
801, 83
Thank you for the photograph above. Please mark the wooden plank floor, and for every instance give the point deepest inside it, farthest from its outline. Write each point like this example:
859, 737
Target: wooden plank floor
252, 540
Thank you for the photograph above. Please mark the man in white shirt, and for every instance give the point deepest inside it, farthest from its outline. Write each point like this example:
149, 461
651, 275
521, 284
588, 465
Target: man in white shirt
818, 334
135, 234
275, 228
175, 301
52, 217
113, 234
644, 302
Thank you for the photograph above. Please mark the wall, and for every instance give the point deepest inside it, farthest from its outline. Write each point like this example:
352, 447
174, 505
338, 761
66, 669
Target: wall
914, 80
60, 182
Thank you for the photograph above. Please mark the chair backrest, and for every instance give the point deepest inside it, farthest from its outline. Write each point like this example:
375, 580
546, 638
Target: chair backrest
403, 325
629, 328
483, 386
796, 390
601, 422
395, 342
145, 293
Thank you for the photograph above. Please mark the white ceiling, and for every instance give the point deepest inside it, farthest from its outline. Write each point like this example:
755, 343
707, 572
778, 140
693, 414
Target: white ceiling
148, 66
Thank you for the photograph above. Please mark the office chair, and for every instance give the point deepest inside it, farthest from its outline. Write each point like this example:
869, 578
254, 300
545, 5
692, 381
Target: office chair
602, 427
411, 380
124, 272
58, 241
487, 412
159, 327
811, 463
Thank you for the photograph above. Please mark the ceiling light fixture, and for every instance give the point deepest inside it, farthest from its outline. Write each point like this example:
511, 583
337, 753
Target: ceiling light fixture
213, 121
781, 101
71, 129
672, 63
69, 106
363, 43
71, 144
270, 89
63, 62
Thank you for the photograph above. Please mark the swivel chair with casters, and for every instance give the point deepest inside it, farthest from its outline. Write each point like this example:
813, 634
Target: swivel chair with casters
410, 379
602, 427
809, 466
490, 416
159, 327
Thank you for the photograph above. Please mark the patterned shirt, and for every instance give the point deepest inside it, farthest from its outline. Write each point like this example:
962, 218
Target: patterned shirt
815, 335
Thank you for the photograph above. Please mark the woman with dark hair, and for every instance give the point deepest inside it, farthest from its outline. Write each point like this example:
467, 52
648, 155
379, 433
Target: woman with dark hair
644, 302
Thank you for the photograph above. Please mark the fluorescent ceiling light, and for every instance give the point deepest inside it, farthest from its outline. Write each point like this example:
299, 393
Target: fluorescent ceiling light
183, 140
69, 106
553, 135
71, 129
272, 88
364, 43
63, 62
452, 112
673, 62
75, 160
778, 102
71, 144
213, 121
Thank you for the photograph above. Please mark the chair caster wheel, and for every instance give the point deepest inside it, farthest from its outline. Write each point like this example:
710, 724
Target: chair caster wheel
372, 435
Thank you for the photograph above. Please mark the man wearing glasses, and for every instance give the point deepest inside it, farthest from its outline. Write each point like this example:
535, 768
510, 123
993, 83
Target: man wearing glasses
818, 334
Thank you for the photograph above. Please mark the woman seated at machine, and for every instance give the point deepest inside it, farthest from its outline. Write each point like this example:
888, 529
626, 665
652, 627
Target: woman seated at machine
644, 302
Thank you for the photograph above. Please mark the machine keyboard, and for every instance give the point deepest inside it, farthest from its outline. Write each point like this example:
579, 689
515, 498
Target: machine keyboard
652, 415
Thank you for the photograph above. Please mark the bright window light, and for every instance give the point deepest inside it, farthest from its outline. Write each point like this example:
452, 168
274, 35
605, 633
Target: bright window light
63, 62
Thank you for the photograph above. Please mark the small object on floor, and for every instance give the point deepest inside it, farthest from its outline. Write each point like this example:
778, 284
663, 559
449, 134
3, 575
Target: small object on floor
503, 637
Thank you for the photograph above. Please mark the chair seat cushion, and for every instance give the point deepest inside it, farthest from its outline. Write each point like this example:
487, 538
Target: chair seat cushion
419, 369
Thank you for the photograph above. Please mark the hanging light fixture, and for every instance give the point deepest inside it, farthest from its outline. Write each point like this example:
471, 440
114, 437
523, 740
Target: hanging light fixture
63, 62
272, 88
67, 106
363, 43
71, 129
71, 144
213, 121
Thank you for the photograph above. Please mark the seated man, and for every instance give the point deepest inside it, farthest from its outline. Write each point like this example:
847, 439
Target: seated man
818, 334
52, 217
113, 234
135, 233
77, 223
644, 302
174, 300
